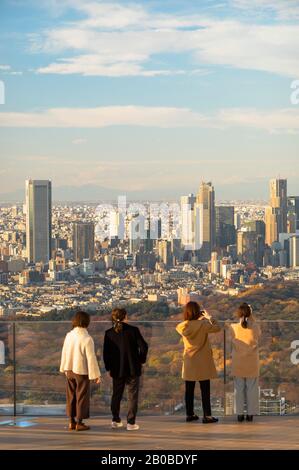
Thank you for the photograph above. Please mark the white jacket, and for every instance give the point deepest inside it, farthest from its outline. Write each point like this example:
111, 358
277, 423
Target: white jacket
78, 354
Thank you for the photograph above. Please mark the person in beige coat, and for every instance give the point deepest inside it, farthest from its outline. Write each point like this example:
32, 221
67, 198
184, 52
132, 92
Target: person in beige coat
198, 363
245, 363
80, 365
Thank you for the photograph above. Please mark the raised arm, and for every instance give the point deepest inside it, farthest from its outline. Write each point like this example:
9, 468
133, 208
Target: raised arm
211, 326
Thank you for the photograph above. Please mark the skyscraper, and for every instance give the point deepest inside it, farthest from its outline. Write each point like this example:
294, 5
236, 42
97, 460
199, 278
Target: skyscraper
38, 220
247, 247
293, 206
225, 226
294, 252
83, 241
276, 216
187, 221
136, 233
205, 202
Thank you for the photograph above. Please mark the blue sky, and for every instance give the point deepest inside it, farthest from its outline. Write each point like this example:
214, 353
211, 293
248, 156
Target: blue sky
148, 97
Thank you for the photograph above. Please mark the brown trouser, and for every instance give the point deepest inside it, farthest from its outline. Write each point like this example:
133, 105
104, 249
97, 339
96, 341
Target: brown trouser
77, 395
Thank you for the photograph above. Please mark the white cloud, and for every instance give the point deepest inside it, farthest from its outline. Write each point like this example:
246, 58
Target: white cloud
279, 120
6, 69
118, 40
283, 9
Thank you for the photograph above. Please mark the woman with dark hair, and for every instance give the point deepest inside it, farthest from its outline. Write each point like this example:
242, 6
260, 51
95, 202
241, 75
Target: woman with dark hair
80, 365
125, 351
245, 362
198, 363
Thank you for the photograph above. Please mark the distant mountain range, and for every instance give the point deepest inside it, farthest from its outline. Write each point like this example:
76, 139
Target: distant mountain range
237, 191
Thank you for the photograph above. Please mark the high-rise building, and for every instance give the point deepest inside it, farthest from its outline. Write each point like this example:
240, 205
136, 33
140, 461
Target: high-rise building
204, 215
187, 221
292, 222
225, 226
137, 233
38, 220
294, 252
83, 241
293, 206
164, 252
257, 226
247, 246
215, 263
276, 216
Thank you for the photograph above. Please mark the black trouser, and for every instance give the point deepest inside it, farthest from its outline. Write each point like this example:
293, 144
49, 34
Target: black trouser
205, 396
118, 391
77, 395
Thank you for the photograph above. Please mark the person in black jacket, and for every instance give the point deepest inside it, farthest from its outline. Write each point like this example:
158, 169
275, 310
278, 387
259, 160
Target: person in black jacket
125, 351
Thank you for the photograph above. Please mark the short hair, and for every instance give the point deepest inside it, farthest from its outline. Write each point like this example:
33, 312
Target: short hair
192, 311
81, 319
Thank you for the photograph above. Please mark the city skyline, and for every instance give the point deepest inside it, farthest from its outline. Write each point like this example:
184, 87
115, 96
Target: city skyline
178, 92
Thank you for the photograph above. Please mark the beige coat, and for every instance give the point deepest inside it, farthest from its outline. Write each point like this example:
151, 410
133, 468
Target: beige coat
78, 354
198, 363
245, 353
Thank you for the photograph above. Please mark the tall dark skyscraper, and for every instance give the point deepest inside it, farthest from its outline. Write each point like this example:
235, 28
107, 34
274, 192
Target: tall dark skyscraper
83, 241
38, 220
293, 206
225, 226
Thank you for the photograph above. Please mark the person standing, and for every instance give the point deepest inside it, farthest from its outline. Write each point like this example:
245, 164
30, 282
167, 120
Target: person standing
245, 363
198, 363
125, 351
80, 365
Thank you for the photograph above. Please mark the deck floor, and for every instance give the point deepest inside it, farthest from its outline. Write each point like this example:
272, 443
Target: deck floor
156, 433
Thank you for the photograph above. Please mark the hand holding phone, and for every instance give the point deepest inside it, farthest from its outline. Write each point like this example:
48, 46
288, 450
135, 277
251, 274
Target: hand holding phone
206, 315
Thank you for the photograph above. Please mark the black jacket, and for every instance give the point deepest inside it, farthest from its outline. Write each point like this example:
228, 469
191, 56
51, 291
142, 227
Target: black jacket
124, 352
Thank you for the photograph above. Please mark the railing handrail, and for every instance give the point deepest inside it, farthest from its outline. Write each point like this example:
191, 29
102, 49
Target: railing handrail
34, 322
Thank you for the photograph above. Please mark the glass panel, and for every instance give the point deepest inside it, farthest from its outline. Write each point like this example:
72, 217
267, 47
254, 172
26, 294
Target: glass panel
279, 359
162, 388
40, 387
6, 369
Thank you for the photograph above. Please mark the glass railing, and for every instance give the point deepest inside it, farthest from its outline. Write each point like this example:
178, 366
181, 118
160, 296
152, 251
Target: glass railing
30, 382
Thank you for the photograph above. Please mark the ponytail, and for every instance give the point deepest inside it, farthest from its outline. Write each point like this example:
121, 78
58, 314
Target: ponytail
117, 317
244, 312
244, 322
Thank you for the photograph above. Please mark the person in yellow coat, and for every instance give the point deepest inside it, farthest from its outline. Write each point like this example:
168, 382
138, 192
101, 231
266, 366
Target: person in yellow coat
245, 363
198, 363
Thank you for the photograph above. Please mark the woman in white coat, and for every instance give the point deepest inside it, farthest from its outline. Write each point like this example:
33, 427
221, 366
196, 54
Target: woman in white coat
80, 365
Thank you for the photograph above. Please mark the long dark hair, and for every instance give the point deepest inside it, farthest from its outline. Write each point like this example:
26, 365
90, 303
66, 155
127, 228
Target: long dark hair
244, 312
117, 317
81, 319
192, 311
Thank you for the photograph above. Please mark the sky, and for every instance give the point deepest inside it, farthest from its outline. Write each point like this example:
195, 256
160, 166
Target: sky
149, 98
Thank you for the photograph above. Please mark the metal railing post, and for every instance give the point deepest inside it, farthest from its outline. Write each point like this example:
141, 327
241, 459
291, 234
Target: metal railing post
14, 370
224, 368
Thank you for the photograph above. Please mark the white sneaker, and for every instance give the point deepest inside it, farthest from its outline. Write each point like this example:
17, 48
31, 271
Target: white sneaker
132, 427
116, 425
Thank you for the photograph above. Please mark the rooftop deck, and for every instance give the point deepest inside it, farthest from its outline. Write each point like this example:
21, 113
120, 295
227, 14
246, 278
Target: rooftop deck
156, 433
